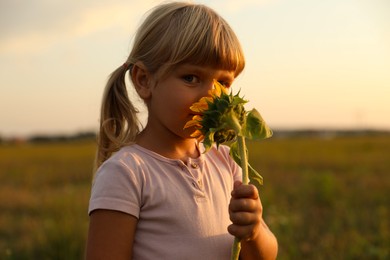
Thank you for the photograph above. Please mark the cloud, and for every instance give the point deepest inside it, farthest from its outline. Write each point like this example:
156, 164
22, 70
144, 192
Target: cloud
28, 27
34, 27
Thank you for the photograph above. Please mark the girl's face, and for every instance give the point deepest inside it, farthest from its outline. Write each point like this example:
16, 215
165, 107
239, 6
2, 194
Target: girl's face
172, 97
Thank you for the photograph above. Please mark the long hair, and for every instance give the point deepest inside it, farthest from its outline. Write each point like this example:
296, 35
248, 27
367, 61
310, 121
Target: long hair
172, 34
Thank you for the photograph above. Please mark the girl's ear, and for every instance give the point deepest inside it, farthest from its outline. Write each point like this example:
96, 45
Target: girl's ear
141, 79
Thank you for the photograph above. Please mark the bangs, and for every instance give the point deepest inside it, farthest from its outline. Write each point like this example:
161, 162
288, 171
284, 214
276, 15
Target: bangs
201, 37
218, 51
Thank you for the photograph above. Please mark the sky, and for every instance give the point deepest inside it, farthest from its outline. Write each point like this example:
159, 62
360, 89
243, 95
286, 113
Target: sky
309, 63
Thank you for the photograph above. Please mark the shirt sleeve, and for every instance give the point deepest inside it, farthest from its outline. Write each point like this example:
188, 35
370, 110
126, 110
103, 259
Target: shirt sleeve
116, 187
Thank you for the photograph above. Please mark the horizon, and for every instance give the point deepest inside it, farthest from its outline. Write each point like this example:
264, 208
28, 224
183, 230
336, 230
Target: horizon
276, 131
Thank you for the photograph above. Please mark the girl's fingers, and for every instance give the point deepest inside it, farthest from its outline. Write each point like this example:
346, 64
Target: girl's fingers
244, 218
245, 210
243, 232
244, 191
244, 205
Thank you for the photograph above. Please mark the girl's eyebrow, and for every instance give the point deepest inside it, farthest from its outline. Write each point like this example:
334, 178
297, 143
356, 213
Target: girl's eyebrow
203, 70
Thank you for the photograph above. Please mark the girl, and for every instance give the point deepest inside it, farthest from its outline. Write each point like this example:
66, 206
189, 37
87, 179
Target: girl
155, 194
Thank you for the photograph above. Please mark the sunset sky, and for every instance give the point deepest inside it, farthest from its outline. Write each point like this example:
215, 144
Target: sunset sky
310, 63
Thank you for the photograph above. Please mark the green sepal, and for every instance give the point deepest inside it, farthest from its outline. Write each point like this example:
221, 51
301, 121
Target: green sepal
208, 140
230, 121
212, 136
255, 177
255, 128
236, 100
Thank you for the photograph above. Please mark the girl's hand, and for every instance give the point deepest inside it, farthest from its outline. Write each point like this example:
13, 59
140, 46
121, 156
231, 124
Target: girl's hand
245, 210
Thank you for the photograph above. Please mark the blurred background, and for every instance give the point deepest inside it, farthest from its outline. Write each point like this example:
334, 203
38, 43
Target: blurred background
318, 71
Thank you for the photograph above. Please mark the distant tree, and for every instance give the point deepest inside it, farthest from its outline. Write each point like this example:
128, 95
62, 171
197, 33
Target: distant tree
62, 138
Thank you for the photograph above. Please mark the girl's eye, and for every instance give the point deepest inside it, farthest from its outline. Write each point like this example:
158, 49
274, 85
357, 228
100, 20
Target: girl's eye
191, 78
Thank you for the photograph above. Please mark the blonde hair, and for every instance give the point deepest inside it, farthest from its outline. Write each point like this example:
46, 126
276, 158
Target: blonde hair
172, 34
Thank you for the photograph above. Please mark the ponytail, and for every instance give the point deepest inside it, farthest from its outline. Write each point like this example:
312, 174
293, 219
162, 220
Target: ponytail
119, 124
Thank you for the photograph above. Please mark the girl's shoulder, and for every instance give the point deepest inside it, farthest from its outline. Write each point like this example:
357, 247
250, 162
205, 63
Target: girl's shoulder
137, 157
128, 157
123, 154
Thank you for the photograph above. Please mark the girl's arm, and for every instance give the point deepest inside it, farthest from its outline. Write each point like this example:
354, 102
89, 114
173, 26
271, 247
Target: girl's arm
245, 210
263, 247
111, 235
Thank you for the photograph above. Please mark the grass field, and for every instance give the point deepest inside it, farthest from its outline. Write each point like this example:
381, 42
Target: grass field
324, 198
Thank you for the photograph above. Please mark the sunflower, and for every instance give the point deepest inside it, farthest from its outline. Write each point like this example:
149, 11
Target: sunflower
220, 118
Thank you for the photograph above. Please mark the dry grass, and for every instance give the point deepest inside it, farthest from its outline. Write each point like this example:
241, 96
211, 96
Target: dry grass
43, 200
323, 198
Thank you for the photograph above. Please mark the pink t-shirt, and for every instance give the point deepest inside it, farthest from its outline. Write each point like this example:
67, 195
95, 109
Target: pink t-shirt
182, 209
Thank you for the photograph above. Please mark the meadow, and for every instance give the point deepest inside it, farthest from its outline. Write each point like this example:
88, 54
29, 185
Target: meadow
324, 198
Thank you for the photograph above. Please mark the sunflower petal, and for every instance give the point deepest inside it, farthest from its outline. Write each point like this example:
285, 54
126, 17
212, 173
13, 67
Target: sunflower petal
219, 89
195, 121
200, 138
191, 123
201, 105
196, 134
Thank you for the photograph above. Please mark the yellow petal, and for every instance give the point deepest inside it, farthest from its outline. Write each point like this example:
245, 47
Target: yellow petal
196, 134
201, 105
214, 92
206, 100
197, 118
200, 138
218, 89
192, 123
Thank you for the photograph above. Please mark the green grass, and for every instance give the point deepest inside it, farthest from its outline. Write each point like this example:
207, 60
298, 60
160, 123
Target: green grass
327, 198
323, 198
44, 191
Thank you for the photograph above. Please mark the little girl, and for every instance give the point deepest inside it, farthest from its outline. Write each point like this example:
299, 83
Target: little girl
156, 195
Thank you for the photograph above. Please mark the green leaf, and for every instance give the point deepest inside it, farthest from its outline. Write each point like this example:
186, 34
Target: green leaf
234, 153
255, 127
254, 177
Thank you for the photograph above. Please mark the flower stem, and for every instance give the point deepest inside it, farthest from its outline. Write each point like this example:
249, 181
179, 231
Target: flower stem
244, 158
245, 180
236, 249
